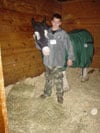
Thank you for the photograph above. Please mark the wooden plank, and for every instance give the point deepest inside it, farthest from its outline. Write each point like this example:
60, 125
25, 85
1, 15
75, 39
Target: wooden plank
3, 109
81, 9
2, 128
16, 36
14, 51
12, 78
33, 7
20, 43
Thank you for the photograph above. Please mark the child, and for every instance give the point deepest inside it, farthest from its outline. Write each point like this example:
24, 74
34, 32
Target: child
58, 43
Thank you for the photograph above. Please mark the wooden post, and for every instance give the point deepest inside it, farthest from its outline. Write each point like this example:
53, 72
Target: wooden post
3, 109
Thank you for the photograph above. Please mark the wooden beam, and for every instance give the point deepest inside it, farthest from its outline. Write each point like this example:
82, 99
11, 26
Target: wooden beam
3, 109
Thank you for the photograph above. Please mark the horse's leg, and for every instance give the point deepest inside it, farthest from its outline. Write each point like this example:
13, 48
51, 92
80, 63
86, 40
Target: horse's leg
65, 82
84, 75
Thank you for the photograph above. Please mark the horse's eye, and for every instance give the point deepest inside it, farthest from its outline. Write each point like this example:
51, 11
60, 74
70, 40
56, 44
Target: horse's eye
37, 35
46, 33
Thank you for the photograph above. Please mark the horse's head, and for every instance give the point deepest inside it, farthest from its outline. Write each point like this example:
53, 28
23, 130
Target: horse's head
40, 32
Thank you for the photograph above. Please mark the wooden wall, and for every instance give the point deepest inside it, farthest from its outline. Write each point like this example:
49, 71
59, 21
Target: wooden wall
84, 14
20, 57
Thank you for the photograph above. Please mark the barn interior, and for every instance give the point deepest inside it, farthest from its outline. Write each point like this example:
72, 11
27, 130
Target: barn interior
20, 61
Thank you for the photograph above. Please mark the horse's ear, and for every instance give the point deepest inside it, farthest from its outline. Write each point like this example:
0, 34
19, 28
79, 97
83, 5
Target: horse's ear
33, 22
44, 20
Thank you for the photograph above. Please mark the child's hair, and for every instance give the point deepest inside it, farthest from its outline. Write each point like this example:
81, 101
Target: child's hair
56, 15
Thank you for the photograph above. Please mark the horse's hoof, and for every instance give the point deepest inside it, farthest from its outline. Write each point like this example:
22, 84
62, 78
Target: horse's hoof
67, 89
84, 79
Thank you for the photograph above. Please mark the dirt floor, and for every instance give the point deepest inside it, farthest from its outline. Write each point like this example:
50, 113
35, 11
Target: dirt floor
80, 112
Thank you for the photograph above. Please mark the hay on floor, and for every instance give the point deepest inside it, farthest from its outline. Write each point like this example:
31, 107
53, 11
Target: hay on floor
28, 113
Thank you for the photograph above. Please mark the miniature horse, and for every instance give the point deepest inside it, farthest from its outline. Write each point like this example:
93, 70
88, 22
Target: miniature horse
82, 42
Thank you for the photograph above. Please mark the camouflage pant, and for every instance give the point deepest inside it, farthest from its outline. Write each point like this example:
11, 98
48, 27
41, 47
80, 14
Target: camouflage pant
53, 76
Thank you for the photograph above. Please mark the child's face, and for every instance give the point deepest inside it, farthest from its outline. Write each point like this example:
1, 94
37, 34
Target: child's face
56, 23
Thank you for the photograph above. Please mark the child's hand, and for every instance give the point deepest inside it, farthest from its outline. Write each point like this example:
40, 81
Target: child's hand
46, 50
69, 62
